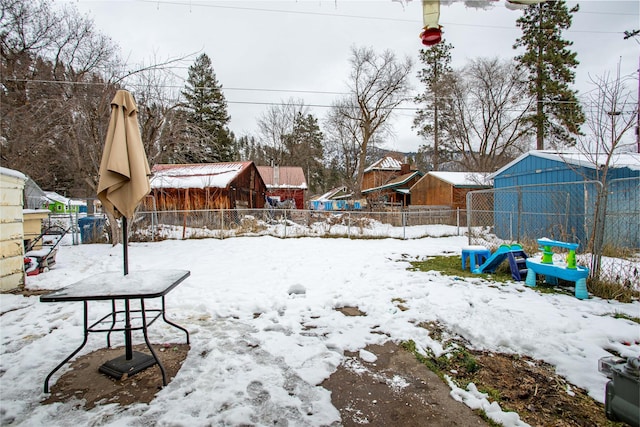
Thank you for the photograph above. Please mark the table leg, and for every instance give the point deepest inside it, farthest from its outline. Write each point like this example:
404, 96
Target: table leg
86, 335
171, 323
127, 331
146, 339
113, 322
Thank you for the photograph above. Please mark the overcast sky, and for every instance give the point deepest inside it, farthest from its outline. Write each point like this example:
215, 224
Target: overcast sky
269, 51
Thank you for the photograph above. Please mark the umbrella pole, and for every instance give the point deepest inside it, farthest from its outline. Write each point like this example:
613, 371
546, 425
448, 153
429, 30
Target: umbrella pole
127, 325
131, 362
125, 244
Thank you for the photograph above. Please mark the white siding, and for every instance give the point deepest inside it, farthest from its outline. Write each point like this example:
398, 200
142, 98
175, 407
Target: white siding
11, 229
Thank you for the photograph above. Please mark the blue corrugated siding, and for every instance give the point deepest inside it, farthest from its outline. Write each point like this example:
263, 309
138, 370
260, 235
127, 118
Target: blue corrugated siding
537, 170
540, 212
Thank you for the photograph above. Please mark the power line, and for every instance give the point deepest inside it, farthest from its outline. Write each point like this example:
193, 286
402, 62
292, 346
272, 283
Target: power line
242, 89
270, 103
378, 18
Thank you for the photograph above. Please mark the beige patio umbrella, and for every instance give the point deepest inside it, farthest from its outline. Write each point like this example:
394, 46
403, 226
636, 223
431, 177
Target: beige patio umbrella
123, 183
124, 170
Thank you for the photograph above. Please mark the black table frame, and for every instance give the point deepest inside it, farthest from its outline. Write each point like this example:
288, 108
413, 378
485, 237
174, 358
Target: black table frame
114, 319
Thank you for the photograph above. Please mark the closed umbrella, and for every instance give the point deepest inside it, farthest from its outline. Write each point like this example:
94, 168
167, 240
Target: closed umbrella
124, 170
123, 183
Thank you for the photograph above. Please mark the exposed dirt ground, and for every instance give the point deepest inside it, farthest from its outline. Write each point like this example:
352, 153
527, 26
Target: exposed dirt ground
396, 389
84, 381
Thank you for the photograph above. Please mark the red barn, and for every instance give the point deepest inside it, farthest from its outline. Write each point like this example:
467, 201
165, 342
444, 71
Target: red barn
207, 186
285, 183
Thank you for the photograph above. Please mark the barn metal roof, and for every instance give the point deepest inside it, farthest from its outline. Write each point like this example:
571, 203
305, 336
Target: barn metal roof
385, 163
394, 183
283, 177
200, 175
463, 179
587, 160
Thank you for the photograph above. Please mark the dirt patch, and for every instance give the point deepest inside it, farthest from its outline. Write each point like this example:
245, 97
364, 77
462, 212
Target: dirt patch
533, 390
83, 382
382, 385
520, 384
394, 390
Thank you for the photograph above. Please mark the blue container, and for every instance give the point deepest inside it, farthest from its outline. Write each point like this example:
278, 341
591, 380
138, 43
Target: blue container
91, 228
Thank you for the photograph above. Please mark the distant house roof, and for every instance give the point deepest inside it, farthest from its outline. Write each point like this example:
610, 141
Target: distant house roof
385, 163
55, 197
463, 179
334, 194
201, 175
622, 160
283, 177
394, 183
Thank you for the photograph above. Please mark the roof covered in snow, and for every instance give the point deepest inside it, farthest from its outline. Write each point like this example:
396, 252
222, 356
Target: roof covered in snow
201, 175
385, 163
463, 179
334, 194
283, 177
394, 183
587, 160
12, 173
55, 197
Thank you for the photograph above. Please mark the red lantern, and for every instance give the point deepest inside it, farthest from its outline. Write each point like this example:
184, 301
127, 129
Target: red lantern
431, 36
431, 33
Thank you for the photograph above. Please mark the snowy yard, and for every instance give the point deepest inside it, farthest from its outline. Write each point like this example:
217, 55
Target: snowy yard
261, 313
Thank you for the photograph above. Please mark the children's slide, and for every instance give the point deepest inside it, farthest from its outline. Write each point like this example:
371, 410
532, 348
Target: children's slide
517, 259
494, 260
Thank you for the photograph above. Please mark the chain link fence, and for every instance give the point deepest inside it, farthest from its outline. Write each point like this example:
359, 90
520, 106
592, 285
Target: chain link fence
609, 238
284, 223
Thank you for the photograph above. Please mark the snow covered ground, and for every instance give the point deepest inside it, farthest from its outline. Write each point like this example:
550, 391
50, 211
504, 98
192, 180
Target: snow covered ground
265, 332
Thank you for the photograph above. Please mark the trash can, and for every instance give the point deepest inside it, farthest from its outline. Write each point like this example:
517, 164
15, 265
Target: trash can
91, 228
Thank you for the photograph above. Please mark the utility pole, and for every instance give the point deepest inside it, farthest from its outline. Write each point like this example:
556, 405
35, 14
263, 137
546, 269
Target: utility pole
627, 35
638, 112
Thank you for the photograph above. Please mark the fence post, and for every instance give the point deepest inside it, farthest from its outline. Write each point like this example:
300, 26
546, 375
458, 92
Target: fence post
469, 198
285, 223
457, 221
222, 223
511, 226
519, 225
404, 224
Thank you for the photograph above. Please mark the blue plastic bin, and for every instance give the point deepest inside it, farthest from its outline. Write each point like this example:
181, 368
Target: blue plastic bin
91, 228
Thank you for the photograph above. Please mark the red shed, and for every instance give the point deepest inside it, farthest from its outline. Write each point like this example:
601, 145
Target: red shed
207, 186
285, 183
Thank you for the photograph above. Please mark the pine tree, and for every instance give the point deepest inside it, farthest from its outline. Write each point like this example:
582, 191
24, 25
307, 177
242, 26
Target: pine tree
304, 148
206, 109
437, 67
549, 64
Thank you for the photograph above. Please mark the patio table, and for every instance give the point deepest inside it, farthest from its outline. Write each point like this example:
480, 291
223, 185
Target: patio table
115, 286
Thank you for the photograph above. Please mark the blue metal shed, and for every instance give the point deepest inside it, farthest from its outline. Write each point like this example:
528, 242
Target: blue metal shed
549, 194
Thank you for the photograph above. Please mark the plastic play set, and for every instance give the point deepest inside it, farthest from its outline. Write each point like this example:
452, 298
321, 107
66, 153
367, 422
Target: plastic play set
481, 260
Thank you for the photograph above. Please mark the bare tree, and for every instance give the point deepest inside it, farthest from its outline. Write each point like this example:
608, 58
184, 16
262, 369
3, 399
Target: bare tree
276, 124
343, 144
59, 75
52, 67
612, 112
485, 119
378, 84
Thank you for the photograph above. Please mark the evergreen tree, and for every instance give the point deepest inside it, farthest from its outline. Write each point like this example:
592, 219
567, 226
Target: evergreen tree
304, 148
549, 64
209, 138
434, 75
